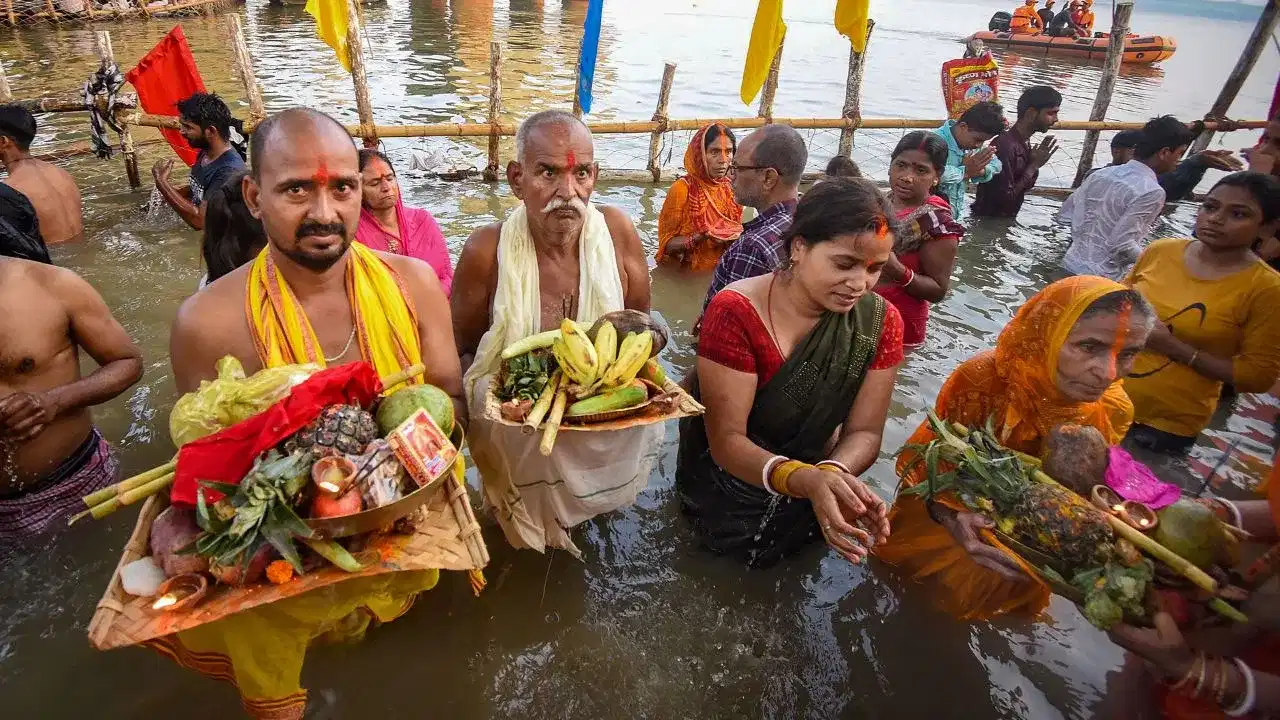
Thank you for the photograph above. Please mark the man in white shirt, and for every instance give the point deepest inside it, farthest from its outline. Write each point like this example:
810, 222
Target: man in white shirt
1114, 210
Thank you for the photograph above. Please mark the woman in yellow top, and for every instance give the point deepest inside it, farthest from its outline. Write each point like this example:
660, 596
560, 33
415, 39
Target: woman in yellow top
1058, 361
1219, 304
700, 216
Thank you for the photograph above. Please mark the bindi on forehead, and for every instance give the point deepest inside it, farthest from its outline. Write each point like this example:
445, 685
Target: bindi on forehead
321, 176
572, 159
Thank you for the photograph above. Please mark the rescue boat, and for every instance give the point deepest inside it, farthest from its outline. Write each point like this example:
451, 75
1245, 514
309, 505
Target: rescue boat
1138, 50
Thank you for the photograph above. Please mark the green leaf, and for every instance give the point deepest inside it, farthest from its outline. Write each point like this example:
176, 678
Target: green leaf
225, 488
282, 541
284, 518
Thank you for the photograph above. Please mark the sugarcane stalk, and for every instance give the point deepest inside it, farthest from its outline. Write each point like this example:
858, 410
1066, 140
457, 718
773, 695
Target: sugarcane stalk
1184, 567
553, 423
1223, 608
543, 404
404, 375
128, 497
106, 493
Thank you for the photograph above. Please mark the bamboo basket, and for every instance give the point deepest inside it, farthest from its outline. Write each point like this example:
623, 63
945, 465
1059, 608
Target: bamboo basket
685, 407
447, 537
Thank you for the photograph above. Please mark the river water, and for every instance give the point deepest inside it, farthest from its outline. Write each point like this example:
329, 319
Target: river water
646, 625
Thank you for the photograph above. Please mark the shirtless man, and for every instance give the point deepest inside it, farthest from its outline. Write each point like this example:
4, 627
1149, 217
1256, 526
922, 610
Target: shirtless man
50, 189
50, 452
556, 256
305, 187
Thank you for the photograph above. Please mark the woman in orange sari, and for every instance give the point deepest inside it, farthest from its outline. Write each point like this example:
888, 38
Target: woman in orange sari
700, 217
1060, 360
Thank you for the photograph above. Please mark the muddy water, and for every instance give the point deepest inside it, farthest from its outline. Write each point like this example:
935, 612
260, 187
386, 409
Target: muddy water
646, 625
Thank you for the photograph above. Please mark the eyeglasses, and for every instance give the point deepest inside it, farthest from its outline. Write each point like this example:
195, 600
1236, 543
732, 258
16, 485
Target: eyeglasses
735, 167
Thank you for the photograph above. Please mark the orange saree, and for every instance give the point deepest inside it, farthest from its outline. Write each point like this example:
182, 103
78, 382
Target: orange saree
700, 207
1015, 385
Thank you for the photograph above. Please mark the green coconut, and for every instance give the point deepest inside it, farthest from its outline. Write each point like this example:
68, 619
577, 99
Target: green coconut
1192, 531
397, 407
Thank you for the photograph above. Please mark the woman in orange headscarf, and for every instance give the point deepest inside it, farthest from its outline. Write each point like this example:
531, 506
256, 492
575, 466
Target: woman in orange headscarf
1058, 361
700, 217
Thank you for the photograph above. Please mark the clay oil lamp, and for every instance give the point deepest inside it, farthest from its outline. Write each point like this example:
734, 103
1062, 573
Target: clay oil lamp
1106, 500
336, 494
180, 592
1139, 516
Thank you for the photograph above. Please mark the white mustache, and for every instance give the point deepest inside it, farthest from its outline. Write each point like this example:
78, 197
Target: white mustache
575, 203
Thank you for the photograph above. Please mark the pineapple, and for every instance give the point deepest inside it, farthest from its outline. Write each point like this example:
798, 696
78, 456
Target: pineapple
1059, 522
338, 430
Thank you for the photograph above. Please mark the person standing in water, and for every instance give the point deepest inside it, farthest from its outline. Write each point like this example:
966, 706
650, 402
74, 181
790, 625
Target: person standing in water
206, 124
1020, 163
699, 217
51, 453
232, 235
52, 191
388, 225
968, 162
918, 272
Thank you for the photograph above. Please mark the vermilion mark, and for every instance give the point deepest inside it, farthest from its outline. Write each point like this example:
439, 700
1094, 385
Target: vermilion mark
321, 177
573, 160
1122, 335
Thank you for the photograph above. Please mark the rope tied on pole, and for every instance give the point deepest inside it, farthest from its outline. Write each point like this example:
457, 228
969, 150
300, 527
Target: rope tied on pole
108, 80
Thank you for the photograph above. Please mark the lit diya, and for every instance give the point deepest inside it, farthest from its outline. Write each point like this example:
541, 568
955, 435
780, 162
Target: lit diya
1107, 500
336, 495
1139, 516
180, 592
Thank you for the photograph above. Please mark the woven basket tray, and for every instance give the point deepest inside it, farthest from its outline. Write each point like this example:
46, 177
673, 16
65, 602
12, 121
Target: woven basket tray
686, 407
447, 538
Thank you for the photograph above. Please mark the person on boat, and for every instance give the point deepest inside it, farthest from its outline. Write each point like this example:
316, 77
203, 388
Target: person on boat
557, 256
918, 272
1025, 20
968, 162
1019, 162
1061, 25
774, 464
232, 236
1046, 14
1059, 360
699, 217
1216, 300
1113, 211
1082, 18
20, 228
206, 124
841, 166
388, 225
51, 451
311, 296
766, 176
49, 188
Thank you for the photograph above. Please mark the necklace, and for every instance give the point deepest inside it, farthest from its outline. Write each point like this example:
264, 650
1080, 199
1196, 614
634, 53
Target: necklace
768, 310
345, 348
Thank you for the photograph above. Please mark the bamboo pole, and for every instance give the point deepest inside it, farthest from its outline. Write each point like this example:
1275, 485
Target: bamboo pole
6, 93
660, 117
771, 83
244, 65
853, 93
130, 154
577, 78
72, 103
13, 17
53, 11
1262, 33
355, 52
495, 108
1110, 71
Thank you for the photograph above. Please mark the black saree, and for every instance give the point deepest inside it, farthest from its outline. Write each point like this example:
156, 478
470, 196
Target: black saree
794, 415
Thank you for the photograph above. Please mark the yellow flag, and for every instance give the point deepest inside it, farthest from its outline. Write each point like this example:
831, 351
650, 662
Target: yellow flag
766, 37
851, 21
331, 26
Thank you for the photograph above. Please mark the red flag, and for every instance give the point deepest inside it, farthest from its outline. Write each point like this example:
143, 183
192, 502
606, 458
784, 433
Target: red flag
227, 456
165, 75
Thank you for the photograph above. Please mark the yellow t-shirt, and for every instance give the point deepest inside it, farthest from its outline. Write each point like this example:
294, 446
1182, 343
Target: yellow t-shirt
1237, 316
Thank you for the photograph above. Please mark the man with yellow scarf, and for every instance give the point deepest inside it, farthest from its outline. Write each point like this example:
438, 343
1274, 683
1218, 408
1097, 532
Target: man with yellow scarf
311, 296
557, 255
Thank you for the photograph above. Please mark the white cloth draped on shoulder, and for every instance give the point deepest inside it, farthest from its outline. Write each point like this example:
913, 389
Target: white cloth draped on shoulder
535, 498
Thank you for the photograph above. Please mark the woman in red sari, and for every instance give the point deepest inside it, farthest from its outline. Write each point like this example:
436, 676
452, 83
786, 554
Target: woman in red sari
388, 225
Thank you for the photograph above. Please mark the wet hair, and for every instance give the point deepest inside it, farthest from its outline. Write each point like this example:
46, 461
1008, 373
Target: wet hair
368, 155
986, 117
716, 131
18, 124
841, 166
781, 148
208, 111
929, 143
839, 206
232, 235
1126, 139
1160, 133
539, 120
263, 132
1038, 97
1264, 188
1113, 303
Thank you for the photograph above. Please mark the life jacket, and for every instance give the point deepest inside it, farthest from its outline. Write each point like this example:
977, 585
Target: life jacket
1025, 20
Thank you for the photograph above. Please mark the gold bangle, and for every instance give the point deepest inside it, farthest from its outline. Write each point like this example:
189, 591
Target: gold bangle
1196, 667
782, 473
1220, 685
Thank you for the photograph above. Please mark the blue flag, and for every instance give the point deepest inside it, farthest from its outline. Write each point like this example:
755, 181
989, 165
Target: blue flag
587, 53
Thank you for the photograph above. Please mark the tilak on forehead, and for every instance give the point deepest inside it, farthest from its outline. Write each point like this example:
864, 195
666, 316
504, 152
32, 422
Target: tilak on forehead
1122, 335
321, 176
572, 159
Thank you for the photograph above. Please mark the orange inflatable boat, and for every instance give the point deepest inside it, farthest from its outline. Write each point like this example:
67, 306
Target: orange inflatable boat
1137, 50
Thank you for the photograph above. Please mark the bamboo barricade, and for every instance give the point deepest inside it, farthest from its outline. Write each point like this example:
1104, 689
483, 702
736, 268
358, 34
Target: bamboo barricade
127, 149
244, 66
771, 82
660, 117
495, 109
6, 94
1253, 49
1110, 71
355, 51
852, 109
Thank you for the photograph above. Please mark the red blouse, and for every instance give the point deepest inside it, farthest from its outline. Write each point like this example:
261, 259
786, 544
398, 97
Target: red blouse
734, 335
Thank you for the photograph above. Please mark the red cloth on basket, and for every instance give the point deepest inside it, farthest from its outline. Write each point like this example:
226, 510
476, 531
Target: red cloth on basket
165, 75
227, 456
